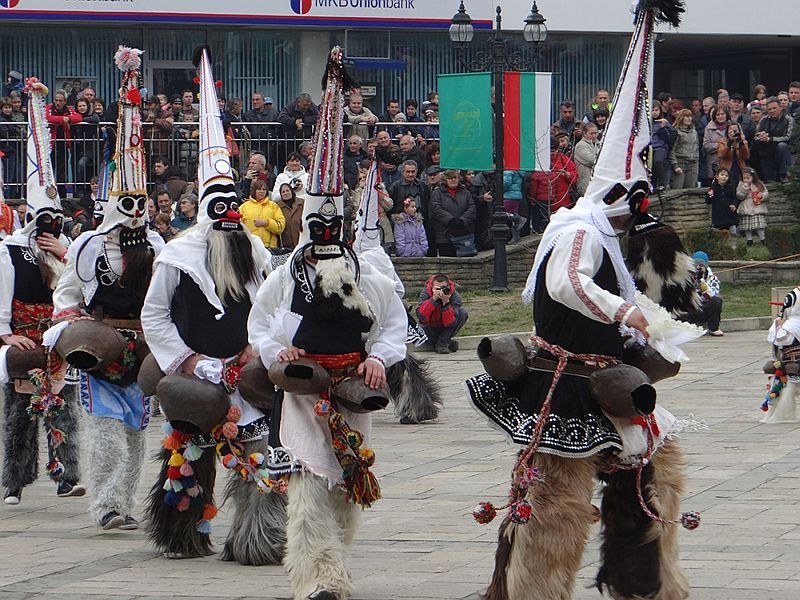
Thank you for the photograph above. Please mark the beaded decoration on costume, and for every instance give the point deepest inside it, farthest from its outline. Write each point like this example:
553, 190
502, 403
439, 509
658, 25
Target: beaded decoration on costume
326, 171
48, 405
360, 483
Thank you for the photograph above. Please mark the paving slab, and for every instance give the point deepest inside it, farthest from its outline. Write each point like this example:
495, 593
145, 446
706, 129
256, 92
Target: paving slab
420, 541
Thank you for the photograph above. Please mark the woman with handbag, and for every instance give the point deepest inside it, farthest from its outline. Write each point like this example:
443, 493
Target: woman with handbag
453, 217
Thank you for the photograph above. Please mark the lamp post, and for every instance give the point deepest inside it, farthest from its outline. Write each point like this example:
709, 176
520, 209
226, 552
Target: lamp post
498, 57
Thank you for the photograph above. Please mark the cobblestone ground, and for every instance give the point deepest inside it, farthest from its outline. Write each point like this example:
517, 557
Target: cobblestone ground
420, 541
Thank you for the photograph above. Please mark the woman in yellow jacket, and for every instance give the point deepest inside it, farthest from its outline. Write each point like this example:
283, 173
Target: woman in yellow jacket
262, 216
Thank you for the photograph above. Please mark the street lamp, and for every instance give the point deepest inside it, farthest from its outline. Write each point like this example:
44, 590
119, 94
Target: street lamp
498, 57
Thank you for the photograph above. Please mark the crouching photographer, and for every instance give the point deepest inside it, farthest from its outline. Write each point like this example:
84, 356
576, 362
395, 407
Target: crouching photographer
440, 313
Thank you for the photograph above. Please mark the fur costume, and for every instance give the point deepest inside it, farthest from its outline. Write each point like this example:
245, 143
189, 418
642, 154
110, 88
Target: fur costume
417, 394
174, 533
28, 275
113, 476
258, 533
21, 439
584, 296
203, 286
345, 315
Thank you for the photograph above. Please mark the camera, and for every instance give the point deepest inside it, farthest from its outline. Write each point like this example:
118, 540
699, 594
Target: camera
296, 183
446, 290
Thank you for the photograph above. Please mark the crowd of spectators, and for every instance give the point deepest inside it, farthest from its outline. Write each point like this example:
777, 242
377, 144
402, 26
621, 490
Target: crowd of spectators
425, 210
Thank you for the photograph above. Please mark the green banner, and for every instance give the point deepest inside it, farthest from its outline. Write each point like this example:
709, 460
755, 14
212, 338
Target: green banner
465, 121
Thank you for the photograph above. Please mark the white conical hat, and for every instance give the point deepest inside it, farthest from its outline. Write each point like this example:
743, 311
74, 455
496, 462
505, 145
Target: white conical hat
42, 193
127, 198
219, 202
621, 171
367, 222
103, 180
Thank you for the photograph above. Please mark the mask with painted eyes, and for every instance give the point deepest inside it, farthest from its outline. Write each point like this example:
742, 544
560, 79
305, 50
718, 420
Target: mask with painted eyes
220, 204
322, 226
49, 222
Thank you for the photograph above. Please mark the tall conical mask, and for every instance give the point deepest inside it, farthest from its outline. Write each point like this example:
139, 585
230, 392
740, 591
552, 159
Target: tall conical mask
103, 179
44, 205
621, 177
323, 210
219, 203
367, 222
127, 199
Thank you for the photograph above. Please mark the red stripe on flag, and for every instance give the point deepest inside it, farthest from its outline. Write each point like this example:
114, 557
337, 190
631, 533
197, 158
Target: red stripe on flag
511, 123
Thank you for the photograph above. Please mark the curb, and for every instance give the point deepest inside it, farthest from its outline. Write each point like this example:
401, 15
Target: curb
470, 342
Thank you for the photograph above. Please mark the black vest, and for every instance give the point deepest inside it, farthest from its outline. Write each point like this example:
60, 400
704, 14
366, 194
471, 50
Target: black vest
28, 285
116, 301
571, 330
198, 326
340, 335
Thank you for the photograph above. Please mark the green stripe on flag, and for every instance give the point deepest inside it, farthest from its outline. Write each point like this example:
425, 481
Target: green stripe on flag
465, 121
527, 121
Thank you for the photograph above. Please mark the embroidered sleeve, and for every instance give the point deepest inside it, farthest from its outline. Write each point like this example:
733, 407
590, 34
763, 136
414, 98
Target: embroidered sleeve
6, 290
573, 263
162, 336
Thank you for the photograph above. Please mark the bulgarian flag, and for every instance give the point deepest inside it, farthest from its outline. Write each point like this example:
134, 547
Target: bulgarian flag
526, 128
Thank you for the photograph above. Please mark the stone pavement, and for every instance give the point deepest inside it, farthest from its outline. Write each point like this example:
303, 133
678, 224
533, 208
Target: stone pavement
420, 541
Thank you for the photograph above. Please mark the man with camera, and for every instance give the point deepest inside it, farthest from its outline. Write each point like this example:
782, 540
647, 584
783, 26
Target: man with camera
440, 313
707, 286
256, 169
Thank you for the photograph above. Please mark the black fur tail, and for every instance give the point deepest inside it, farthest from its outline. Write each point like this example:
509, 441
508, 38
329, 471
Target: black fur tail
170, 530
498, 588
662, 269
416, 392
631, 566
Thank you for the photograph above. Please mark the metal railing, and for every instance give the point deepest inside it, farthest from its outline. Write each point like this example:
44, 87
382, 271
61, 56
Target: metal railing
76, 156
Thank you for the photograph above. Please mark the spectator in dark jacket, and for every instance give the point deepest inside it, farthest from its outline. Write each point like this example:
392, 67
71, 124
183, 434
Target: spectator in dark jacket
299, 117
452, 213
353, 155
772, 142
724, 202
263, 112
440, 313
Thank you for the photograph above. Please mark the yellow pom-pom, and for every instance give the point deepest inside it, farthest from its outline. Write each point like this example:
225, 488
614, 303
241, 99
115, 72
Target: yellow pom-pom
176, 460
367, 455
776, 364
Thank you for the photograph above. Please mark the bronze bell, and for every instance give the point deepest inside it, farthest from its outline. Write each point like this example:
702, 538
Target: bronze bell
90, 345
622, 391
353, 394
192, 405
256, 387
503, 357
301, 376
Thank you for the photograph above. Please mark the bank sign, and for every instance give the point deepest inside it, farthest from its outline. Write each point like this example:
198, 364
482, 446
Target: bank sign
425, 14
